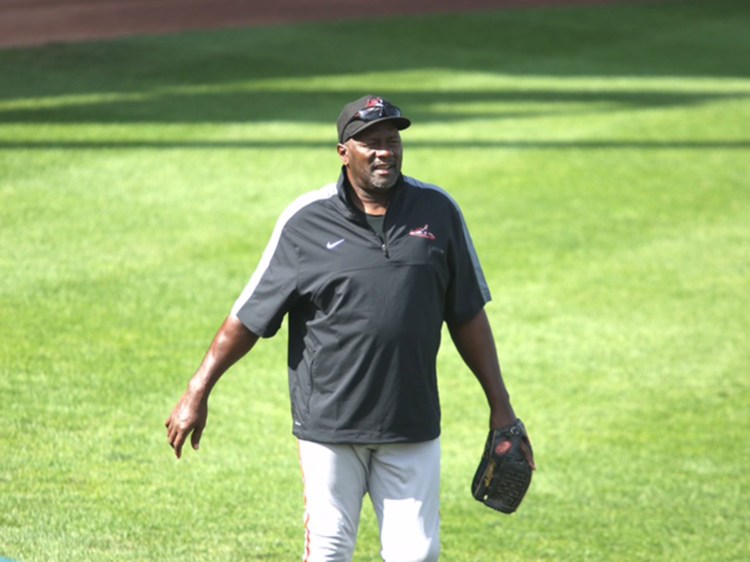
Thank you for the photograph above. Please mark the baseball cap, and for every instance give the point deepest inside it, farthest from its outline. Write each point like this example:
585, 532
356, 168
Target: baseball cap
365, 112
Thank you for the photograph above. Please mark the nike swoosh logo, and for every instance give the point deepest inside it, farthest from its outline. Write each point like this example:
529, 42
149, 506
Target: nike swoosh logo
332, 245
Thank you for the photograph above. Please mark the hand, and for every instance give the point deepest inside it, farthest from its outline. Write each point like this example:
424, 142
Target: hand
496, 422
188, 416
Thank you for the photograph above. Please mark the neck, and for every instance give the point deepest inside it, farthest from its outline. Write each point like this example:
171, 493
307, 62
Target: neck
372, 202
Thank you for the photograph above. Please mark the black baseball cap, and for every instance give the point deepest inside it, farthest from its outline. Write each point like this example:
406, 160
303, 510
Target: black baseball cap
365, 112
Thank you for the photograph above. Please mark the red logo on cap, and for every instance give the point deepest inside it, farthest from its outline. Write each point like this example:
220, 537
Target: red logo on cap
374, 102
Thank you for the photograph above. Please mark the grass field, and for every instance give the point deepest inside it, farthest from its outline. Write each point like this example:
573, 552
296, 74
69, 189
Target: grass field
602, 159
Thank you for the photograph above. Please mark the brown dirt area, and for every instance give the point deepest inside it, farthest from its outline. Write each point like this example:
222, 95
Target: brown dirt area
36, 22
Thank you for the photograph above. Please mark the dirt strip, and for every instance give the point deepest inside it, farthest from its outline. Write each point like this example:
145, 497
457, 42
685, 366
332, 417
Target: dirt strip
36, 22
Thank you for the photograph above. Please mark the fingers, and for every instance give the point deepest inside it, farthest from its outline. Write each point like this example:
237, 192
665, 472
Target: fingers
188, 418
195, 438
177, 434
177, 441
175, 437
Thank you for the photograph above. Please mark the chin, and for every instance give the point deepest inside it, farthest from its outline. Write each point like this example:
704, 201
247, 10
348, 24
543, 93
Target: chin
383, 184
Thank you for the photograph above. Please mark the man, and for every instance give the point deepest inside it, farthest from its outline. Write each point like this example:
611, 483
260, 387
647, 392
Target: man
367, 270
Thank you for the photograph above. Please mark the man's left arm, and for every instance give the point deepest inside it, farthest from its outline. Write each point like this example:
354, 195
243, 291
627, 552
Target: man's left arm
476, 345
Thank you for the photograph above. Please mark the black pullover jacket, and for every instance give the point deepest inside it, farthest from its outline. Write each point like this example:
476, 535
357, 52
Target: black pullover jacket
365, 312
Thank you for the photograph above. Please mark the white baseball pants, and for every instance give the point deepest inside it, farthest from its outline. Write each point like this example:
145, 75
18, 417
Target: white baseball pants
403, 482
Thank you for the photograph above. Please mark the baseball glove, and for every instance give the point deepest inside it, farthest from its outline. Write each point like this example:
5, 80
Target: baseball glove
503, 475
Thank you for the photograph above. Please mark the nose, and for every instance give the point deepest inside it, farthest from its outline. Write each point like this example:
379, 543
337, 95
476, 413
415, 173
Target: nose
384, 150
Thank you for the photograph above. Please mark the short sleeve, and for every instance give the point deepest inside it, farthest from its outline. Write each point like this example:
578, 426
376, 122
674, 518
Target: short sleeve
272, 289
468, 290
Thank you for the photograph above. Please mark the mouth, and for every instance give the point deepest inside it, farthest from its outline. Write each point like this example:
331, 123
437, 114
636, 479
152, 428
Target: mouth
383, 168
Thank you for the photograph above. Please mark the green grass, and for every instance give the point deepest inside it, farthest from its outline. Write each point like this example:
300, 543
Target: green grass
602, 159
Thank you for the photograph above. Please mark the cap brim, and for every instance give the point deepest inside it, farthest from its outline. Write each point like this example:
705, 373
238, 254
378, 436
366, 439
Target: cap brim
356, 127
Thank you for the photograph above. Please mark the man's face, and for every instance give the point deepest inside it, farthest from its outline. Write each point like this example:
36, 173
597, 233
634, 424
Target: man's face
373, 157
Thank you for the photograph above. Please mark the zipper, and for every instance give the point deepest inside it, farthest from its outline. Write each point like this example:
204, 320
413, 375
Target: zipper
381, 239
384, 237
384, 245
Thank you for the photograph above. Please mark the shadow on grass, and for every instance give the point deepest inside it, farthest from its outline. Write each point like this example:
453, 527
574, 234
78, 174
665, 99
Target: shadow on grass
296, 106
412, 144
218, 76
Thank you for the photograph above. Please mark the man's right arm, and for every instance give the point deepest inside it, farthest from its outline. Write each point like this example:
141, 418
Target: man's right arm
232, 341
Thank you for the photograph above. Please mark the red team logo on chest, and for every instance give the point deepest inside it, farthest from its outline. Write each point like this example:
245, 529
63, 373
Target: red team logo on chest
423, 232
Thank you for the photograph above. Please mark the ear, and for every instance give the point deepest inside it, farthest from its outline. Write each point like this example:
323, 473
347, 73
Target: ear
343, 151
